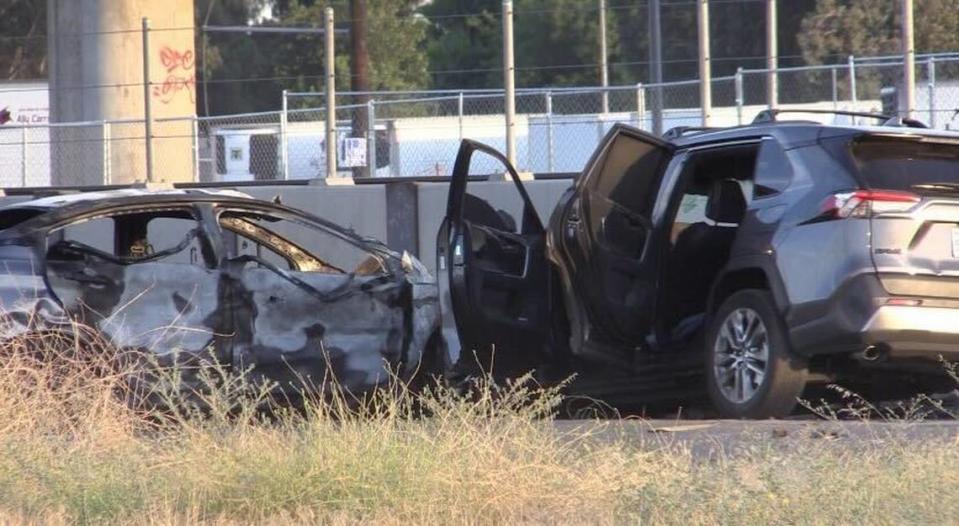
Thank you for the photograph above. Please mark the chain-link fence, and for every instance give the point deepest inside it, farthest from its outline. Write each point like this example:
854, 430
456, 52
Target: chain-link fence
417, 133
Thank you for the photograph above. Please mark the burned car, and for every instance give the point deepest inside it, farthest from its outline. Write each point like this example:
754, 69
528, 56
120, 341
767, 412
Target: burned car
201, 275
756, 262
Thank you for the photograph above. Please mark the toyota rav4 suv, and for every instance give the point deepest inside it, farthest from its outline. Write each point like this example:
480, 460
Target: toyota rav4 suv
761, 260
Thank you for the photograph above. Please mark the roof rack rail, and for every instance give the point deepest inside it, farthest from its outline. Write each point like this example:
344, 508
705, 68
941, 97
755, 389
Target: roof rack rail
767, 116
678, 131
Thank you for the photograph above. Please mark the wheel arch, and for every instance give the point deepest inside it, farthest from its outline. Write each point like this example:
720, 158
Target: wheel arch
747, 273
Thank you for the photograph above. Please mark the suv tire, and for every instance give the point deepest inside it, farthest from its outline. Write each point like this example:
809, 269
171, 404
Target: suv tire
751, 371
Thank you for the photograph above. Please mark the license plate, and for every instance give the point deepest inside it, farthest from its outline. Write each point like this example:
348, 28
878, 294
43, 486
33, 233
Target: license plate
955, 242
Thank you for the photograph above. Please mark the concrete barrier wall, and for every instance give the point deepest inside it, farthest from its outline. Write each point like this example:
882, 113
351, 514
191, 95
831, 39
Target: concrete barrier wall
406, 216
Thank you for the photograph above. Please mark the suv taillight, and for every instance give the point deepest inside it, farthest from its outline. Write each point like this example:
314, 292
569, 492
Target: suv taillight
865, 203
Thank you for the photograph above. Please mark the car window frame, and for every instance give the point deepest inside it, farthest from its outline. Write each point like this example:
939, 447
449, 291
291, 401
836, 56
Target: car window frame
597, 162
208, 251
291, 215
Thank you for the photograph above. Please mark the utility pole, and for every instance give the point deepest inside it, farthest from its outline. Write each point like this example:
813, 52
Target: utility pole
360, 79
772, 55
330, 64
603, 56
705, 77
509, 81
656, 65
909, 56
147, 103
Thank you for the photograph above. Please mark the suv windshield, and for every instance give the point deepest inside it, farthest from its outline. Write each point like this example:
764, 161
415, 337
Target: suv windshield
898, 164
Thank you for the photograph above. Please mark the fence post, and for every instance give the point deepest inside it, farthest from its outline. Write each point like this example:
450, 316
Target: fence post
196, 148
705, 64
330, 98
284, 141
371, 138
23, 156
738, 83
852, 83
459, 112
835, 88
106, 131
931, 74
147, 104
549, 133
509, 82
640, 105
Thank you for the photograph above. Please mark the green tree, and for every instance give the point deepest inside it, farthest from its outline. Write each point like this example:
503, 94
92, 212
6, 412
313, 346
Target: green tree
843, 27
464, 43
837, 28
226, 59
556, 42
23, 45
395, 43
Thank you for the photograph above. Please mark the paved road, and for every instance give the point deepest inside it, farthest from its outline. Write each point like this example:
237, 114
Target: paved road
705, 438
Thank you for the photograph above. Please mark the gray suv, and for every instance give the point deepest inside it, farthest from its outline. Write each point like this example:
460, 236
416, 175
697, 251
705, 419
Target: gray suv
757, 261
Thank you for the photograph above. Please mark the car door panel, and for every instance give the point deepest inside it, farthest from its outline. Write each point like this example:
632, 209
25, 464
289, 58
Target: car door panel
606, 231
308, 323
169, 303
496, 273
334, 331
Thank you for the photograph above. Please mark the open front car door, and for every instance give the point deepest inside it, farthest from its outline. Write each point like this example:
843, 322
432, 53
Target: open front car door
491, 263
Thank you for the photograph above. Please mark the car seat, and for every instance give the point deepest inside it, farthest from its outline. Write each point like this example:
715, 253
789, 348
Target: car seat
701, 251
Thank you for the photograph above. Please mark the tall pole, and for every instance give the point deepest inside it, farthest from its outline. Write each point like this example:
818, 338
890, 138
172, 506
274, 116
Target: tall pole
603, 56
705, 78
772, 54
509, 81
147, 103
360, 80
330, 96
909, 62
656, 66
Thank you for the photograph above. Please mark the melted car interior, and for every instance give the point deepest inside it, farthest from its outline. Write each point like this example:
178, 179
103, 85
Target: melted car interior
715, 189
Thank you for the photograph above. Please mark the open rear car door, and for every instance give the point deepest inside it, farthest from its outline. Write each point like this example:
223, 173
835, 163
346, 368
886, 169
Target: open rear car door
491, 261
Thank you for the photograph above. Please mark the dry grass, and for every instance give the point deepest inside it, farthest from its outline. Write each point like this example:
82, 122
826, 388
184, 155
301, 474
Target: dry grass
71, 451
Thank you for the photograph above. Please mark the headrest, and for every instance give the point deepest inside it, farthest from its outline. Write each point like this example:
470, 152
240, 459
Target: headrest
726, 203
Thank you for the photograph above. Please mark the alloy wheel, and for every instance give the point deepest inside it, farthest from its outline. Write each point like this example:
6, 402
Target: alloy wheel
741, 355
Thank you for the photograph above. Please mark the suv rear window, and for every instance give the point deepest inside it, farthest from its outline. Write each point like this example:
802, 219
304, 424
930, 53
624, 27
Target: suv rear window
901, 164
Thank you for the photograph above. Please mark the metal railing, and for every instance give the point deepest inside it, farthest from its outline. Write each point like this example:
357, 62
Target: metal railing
416, 133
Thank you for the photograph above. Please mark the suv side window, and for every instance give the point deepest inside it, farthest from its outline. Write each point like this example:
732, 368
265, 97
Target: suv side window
773, 170
629, 174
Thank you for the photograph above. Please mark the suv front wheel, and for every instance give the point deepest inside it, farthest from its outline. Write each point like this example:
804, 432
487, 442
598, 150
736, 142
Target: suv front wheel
750, 369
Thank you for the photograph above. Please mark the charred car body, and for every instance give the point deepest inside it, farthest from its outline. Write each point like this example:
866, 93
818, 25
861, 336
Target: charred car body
769, 258
193, 276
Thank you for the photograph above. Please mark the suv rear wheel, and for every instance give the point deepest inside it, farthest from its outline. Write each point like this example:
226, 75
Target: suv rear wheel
750, 370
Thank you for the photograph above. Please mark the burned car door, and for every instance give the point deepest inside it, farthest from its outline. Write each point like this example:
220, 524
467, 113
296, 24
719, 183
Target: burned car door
493, 265
312, 309
145, 279
605, 231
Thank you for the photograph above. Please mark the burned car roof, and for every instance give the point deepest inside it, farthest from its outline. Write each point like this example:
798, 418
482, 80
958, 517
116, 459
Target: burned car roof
111, 197
18, 219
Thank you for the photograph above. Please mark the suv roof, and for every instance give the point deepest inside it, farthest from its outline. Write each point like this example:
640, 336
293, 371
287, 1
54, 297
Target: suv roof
792, 133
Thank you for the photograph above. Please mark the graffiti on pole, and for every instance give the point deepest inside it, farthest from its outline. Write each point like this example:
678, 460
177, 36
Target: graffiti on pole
179, 66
